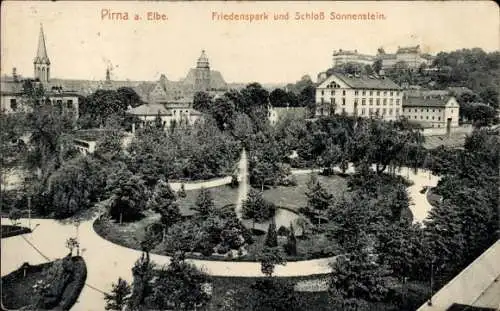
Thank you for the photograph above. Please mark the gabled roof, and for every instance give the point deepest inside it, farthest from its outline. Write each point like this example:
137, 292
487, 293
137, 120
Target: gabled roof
151, 109
363, 82
421, 101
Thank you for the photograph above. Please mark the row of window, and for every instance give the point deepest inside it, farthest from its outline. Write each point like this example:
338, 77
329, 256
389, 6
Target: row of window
427, 118
363, 101
426, 110
377, 111
59, 103
363, 92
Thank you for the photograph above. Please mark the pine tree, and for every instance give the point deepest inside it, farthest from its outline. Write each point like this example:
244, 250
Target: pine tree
272, 236
119, 295
204, 202
291, 243
164, 202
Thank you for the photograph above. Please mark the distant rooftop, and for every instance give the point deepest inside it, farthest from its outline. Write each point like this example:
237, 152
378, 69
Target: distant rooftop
367, 82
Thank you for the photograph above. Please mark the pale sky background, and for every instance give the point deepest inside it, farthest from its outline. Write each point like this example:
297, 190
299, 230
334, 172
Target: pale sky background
80, 44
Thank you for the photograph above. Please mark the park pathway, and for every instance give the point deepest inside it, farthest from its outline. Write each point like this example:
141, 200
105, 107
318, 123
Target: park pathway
107, 261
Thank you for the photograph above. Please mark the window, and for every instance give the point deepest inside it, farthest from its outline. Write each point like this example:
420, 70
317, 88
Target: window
451, 110
370, 111
343, 101
371, 93
390, 93
385, 93
363, 101
377, 111
421, 110
378, 93
378, 101
392, 101
415, 110
322, 100
322, 92
371, 101
355, 92
69, 104
432, 110
385, 101
13, 104
427, 110
397, 111
343, 92
421, 117
363, 111
390, 112
427, 117
439, 118
175, 112
397, 101
432, 117
343, 110
363, 93
439, 125
383, 111
332, 93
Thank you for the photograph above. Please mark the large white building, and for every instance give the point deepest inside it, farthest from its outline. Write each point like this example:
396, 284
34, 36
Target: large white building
341, 57
411, 55
432, 111
364, 96
172, 112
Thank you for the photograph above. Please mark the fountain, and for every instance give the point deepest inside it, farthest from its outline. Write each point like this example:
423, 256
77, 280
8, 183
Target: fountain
243, 183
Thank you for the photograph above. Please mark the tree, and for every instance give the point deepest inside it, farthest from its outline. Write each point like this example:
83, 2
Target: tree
205, 203
72, 243
318, 199
272, 236
270, 294
128, 201
14, 216
119, 296
202, 101
164, 202
269, 258
142, 286
377, 66
291, 243
256, 208
180, 285
358, 277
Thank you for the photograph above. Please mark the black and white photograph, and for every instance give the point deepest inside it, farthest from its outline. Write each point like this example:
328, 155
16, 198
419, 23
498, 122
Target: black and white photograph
250, 155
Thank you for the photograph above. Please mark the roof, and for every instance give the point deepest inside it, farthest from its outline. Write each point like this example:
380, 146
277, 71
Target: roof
10, 87
365, 82
41, 54
458, 90
150, 109
408, 49
421, 101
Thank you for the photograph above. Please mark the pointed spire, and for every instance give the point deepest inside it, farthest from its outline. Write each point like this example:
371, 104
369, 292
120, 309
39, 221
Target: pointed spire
41, 54
203, 61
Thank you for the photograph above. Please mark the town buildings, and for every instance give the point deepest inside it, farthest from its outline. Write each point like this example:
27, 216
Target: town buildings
13, 96
411, 56
341, 57
432, 111
364, 96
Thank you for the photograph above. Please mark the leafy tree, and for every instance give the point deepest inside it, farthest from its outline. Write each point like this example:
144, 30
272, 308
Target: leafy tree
119, 296
202, 101
164, 201
128, 198
143, 272
272, 236
269, 258
272, 295
204, 202
72, 243
223, 110
14, 216
180, 285
358, 277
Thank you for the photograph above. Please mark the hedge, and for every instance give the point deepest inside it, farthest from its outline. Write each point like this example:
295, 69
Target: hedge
8, 231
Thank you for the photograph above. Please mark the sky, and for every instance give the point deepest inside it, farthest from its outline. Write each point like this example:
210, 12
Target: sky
82, 40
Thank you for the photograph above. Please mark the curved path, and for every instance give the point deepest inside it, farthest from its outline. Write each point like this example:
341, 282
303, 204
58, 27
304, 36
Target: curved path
107, 261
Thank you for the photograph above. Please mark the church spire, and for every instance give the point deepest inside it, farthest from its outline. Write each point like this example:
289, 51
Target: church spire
41, 61
41, 54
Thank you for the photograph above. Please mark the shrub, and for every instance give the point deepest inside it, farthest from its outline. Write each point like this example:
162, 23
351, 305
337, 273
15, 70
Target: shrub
74, 289
283, 231
272, 236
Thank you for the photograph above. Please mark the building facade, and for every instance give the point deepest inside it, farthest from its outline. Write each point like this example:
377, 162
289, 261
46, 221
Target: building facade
341, 57
169, 113
411, 55
432, 111
364, 96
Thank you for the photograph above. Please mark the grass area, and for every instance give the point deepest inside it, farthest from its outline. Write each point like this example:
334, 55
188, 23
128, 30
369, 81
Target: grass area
18, 287
454, 140
131, 234
8, 231
289, 197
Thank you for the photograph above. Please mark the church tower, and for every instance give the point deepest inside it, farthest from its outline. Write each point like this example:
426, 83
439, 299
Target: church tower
41, 62
202, 78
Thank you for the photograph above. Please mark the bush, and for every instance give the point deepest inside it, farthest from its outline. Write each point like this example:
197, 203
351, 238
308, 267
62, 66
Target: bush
73, 290
283, 231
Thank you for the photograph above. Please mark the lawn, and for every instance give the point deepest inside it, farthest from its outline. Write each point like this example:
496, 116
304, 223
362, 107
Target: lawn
289, 197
